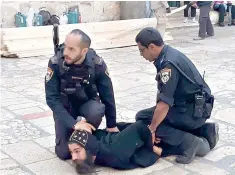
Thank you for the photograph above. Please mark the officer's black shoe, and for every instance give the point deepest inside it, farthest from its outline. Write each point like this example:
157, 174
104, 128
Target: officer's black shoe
189, 154
199, 147
210, 131
203, 148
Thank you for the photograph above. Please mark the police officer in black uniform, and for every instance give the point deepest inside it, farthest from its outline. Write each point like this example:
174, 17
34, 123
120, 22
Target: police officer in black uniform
184, 100
79, 90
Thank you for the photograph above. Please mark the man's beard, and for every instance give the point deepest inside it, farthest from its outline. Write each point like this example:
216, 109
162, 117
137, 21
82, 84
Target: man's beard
86, 166
71, 62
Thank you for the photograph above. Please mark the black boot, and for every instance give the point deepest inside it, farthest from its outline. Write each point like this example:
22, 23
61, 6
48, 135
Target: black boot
191, 148
210, 131
203, 148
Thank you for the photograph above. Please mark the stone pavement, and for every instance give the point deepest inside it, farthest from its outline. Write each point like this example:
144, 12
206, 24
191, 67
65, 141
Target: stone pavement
27, 128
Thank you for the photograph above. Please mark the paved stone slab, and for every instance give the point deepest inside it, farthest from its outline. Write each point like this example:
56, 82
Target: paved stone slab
14, 171
204, 168
44, 121
49, 129
8, 164
3, 155
28, 110
227, 133
27, 152
46, 142
51, 167
159, 165
52, 149
171, 170
22, 106
226, 115
221, 153
16, 101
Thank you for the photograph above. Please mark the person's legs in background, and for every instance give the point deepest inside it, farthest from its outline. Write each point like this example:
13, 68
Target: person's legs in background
205, 26
186, 12
193, 13
160, 14
233, 14
209, 28
221, 8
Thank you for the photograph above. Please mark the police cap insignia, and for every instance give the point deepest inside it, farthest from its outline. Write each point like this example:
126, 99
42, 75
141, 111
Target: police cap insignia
49, 74
165, 75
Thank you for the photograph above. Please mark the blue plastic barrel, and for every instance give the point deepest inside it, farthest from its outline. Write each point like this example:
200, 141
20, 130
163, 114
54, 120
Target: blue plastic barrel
20, 20
38, 20
72, 17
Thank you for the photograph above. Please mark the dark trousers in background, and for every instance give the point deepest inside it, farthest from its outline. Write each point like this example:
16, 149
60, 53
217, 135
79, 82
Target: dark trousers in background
92, 110
233, 12
193, 10
221, 9
205, 25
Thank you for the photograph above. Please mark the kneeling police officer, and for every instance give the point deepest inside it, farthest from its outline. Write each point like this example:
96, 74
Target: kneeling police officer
184, 100
78, 90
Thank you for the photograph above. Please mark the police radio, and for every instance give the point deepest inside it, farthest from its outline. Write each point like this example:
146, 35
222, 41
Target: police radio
199, 101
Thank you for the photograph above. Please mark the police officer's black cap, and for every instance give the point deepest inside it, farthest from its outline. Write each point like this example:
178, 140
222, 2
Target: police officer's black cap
149, 35
86, 140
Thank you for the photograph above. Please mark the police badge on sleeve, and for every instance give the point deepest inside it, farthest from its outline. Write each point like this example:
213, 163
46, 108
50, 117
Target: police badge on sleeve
49, 74
165, 75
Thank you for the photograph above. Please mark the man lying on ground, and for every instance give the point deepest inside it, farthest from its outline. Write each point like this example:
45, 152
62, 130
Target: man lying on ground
128, 149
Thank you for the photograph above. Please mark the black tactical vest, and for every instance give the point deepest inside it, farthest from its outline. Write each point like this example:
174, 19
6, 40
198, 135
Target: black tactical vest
77, 82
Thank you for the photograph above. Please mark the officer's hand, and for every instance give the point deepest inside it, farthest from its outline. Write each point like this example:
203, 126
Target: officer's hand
82, 125
115, 129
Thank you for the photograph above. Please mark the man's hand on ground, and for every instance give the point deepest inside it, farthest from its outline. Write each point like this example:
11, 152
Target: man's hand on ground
115, 129
83, 125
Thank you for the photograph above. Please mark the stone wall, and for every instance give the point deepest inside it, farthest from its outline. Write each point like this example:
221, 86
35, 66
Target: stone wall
91, 11
133, 9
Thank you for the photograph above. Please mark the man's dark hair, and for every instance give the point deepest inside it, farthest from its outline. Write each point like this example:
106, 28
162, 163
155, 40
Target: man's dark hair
86, 167
86, 41
149, 35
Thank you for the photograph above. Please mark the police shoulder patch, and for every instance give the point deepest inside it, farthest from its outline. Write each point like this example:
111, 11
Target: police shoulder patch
98, 60
165, 75
49, 74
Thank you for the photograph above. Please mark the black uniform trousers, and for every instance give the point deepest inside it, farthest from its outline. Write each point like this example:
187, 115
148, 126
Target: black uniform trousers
176, 128
92, 110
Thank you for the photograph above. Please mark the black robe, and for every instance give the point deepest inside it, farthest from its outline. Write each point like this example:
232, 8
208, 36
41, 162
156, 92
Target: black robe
131, 148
